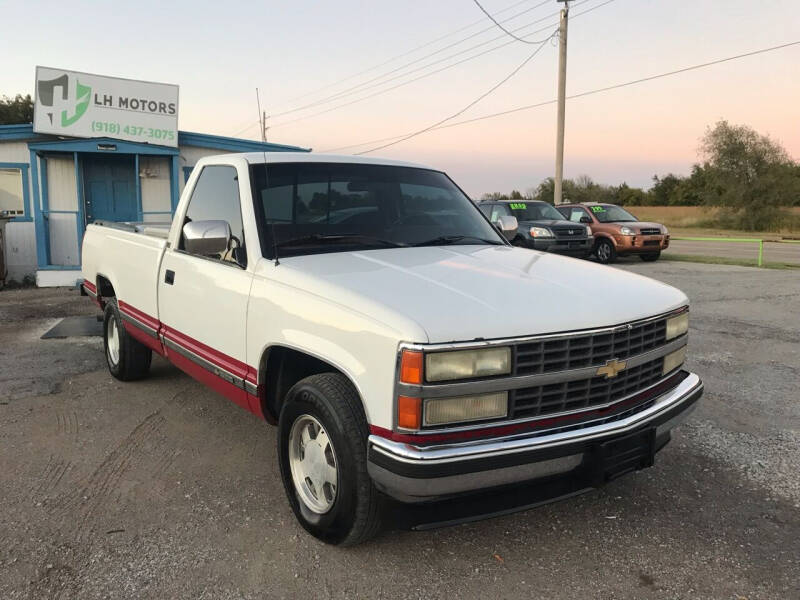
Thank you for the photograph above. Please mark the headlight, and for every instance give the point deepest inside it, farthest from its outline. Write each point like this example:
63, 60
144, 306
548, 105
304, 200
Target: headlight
627, 231
677, 325
664, 230
674, 360
464, 364
588, 230
541, 232
439, 411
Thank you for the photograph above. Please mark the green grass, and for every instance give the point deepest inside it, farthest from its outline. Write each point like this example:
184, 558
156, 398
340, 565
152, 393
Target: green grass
719, 260
730, 233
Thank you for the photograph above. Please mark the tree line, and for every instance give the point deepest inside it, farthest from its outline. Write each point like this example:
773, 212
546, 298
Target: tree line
16, 110
747, 173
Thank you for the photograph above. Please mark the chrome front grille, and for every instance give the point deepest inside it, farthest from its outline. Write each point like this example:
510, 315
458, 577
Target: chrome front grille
649, 231
569, 233
582, 394
563, 353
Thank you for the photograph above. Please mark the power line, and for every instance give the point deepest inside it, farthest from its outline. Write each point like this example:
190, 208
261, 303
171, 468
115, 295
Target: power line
499, 26
248, 127
445, 68
587, 93
410, 81
403, 54
422, 68
468, 106
364, 85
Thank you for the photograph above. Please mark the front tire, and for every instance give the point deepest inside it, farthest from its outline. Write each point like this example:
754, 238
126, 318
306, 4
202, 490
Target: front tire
322, 454
650, 256
605, 252
127, 358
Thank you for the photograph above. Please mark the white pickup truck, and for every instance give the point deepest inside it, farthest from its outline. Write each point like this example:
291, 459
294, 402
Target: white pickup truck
407, 352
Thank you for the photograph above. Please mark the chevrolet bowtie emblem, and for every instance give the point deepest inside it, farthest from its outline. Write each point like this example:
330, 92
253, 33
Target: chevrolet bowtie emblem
611, 368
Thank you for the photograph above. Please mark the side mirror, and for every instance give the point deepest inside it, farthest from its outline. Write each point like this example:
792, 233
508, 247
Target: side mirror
585, 219
207, 238
507, 225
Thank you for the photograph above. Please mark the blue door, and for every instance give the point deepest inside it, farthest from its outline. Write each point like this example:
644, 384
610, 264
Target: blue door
110, 188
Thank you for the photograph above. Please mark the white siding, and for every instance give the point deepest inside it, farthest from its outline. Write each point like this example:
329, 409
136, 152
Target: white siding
14, 152
63, 239
20, 250
62, 194
154, 179
62, 189
20, 237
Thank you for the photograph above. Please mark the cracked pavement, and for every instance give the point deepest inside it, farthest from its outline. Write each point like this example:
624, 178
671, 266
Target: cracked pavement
162, 489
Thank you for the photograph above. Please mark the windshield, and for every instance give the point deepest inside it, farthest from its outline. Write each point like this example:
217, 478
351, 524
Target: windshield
329, 207
534, 211
609, 213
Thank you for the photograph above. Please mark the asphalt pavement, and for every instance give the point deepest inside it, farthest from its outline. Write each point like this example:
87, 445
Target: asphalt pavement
163, 489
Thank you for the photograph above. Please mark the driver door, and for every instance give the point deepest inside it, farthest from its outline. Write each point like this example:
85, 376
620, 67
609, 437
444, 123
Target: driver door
202, 300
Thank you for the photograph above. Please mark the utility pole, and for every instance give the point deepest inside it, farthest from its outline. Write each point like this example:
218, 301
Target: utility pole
262, 118
562, 92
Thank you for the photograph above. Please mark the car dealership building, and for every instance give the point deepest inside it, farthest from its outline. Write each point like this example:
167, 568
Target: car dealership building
130, 165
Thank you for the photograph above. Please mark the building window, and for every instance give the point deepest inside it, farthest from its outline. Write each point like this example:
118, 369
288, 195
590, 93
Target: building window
12, 194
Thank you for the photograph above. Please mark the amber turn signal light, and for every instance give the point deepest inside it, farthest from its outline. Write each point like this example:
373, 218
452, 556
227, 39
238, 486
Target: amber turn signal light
409, 412
411, 367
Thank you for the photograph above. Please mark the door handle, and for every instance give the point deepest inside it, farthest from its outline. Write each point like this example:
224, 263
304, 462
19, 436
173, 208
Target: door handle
169, 277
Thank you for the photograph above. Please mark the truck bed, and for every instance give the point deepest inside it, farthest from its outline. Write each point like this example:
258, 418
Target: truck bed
156, 229
129, 255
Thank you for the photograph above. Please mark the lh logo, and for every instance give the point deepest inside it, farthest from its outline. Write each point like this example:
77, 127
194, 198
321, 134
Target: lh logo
79, 101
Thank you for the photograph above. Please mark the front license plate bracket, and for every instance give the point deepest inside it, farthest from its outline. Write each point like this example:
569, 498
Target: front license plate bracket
622, 455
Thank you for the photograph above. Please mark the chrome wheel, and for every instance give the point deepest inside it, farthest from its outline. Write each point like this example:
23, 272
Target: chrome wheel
604, 251
312, 461
112, 341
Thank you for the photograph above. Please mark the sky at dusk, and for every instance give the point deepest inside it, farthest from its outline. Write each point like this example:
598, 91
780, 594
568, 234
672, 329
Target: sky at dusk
218, 52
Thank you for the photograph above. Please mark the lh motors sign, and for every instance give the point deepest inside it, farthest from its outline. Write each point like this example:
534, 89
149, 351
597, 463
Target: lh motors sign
85, 105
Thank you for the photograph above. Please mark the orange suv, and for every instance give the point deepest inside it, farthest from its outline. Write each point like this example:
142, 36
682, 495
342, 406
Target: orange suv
618, 232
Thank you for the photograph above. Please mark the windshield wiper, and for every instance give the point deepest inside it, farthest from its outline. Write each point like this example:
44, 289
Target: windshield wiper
339, 237
444, 240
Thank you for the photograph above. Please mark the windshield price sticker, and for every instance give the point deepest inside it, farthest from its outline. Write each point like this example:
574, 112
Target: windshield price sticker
598, 209
518, 206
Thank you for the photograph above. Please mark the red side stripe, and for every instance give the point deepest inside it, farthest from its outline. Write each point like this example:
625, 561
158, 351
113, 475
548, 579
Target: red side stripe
90, 286
149, 341
139, 315
228, 363
230, 391
236, 367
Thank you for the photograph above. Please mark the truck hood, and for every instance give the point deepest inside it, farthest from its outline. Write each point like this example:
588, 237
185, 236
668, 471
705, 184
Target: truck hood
462, 293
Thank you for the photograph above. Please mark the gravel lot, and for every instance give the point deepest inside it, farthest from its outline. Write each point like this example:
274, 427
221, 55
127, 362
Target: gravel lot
162, 489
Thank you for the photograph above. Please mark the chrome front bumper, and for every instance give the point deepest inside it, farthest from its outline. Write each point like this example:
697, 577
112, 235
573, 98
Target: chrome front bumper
412, 473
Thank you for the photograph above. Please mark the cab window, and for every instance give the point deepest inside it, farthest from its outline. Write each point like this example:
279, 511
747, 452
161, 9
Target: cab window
499, 210
216, 198
574, 214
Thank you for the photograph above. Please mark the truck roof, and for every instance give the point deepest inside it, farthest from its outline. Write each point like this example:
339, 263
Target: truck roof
255, 158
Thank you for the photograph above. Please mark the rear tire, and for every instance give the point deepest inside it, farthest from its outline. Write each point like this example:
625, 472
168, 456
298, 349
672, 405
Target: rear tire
650, 256
322, 439
605, 252
127, 358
